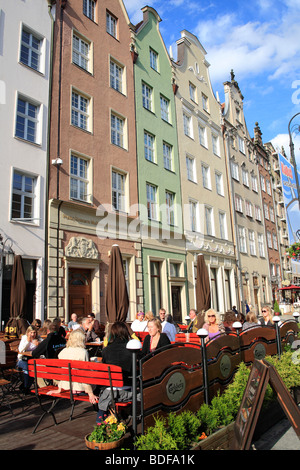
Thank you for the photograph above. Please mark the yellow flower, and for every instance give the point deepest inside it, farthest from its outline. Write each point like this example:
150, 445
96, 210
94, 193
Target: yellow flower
121, 427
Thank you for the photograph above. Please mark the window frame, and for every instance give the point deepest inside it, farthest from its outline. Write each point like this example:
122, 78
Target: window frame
28, 119
33, 219
85, 180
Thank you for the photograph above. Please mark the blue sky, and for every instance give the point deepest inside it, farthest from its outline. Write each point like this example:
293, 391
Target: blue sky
258, 39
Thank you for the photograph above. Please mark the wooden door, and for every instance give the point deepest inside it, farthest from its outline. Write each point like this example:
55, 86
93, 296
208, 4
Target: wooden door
176, 304
79, 292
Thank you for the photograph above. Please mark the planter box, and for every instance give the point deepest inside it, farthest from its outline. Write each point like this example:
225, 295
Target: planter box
220, 440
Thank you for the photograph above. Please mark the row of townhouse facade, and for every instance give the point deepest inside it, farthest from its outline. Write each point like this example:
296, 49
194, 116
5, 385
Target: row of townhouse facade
107, 139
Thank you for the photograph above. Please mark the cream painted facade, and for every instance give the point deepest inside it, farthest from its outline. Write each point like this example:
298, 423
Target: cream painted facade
205, 198
253, 278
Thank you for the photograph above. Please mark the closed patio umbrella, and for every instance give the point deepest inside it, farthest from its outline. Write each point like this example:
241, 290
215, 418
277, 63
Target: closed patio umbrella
203, 295
117, 301
17, 324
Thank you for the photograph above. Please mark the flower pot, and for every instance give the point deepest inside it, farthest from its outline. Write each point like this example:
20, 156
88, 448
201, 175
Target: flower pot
103, 445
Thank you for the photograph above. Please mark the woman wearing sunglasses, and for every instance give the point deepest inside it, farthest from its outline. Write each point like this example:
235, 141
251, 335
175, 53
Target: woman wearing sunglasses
267, 316
213, 324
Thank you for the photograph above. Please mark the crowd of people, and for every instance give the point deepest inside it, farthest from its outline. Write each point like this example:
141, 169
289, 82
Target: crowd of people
55, 339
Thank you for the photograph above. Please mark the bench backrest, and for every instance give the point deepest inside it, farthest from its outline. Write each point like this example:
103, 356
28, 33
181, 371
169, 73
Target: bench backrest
93, 373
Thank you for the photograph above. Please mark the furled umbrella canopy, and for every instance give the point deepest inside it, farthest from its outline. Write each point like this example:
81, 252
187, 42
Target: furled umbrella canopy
117, 301
17, 322
203, 295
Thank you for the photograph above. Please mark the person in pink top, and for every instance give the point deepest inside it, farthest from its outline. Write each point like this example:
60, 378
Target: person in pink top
213, 324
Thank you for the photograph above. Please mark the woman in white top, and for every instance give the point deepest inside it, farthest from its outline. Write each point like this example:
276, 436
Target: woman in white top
75, 350
28, 342
139, 324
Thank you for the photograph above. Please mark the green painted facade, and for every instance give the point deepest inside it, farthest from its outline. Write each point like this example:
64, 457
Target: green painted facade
158, 167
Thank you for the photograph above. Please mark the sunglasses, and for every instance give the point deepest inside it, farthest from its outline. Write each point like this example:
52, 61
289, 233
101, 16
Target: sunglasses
209, 316
264, 311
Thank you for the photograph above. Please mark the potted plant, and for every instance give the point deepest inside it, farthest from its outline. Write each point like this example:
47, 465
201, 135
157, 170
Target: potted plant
107, 435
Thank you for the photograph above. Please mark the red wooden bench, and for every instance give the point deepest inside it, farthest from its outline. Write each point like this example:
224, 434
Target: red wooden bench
187, 338
84, 372
141, 335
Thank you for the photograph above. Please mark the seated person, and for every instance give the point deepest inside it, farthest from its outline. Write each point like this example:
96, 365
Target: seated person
169, 328
50, 346
228, 321
139, 324
156, 339
75, 350
87, 327
28, 342
61, 330
117, 354
73, 324
213, 324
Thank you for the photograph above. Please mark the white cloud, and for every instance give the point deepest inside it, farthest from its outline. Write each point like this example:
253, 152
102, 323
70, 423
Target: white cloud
283, 140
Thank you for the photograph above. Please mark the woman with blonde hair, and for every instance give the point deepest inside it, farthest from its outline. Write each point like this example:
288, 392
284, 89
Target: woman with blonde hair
213, 324
251, 320
155, 339
28, 342
75, 350
267, 317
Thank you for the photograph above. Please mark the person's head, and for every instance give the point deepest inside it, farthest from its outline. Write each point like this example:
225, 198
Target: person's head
192, 314
119, 331
37, 323
162, 314
211, 316
140, 316
74, 317
85, 323
57, 322
149, 316
52, 327
31, 332
169, 318
76, 339
91, 316
251, 317
266, 312
154, 327
229, 319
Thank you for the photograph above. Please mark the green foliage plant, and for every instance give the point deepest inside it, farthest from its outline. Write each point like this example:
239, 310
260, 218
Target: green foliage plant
157, 437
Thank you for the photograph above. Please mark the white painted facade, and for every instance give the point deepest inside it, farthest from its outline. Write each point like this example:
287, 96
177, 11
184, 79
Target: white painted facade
25, 46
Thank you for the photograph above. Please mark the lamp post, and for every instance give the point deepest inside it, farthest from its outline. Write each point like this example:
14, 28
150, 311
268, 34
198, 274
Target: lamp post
276, 320
5, 246
296, 316
203, 333
293, 160
238, 326
134, 345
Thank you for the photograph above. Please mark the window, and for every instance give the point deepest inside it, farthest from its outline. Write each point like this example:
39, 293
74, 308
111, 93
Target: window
111, 24
245, 177
238, 203
147, 96
257, 212
118, 191
167, 153
206, 176
268, 186
248, 207
209, 220
193, 91
89, 9
117, 130
80, 111
235, 171
190, 168
205, 102
152, 201
275, 244
272, 216
193, 216
116, 76
215, 144
214, 289
241, 144
266, 211
27, 120
219, 183
252, 246
222, 223
261, 245
164, 108
149, 147
262, 182
202, 135
81, 52
170, 197
254, 183
79, 182
153, 60
30, 49
242, 239
269, 239
23, 197
187, 124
